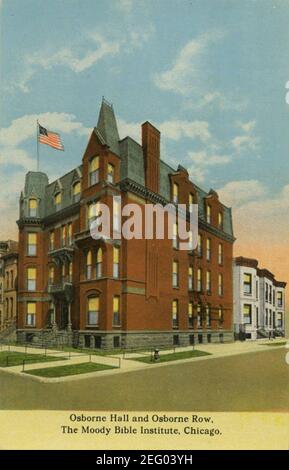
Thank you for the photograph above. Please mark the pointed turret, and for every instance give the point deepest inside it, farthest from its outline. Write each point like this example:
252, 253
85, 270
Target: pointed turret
107, 127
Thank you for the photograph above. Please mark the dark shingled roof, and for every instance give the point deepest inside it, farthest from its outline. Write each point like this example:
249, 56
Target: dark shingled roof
132, 167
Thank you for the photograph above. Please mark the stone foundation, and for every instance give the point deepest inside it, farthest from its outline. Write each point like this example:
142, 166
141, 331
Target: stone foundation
121, 339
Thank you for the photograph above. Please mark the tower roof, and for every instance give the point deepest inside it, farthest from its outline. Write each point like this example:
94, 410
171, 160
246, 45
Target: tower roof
107, 126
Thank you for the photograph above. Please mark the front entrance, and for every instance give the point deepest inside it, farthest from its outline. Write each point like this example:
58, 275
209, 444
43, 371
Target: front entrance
63, 315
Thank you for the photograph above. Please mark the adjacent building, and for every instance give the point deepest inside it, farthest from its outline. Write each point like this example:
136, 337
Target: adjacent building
115, 292
259, 301
8, 283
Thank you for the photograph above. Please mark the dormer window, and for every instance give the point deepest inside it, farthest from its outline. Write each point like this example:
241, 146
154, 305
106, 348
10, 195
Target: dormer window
110, 173
220, 220
175, 193
208, 213
191, 202
57, 201
33, 207
76, 191
94, 171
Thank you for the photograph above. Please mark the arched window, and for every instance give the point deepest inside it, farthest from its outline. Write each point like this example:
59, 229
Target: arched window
31, 244
51, 240
11, 307
93, 310
99, 262
200, 245
63, 272
94, 171
76, 189
57, 201
89, 265
11, 279
208, 213
32, 207
220, 220
63, 235
208, 249
220, 253
208, 282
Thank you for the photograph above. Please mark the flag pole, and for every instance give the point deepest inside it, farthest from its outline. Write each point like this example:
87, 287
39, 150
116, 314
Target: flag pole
37, 130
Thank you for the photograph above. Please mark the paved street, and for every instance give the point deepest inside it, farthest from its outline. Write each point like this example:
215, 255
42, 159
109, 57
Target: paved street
248, 382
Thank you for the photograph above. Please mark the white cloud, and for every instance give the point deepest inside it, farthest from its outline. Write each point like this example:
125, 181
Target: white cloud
246, 141
222, 101
11, 186
71, 58
185, 74
236, 193
172, 130
243, 143
24, 127
206, 159
125, 5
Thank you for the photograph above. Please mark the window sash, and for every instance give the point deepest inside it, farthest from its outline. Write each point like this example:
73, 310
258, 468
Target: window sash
93, 317
94, 177
30, 319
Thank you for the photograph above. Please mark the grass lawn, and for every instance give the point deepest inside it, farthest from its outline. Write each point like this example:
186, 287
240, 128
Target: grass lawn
281, 343
172, 357
95, 352
73, 369
17, 358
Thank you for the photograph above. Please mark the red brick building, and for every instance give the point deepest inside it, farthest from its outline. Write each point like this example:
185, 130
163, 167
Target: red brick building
110, 293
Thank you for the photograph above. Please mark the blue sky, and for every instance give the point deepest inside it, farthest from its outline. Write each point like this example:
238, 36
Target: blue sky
210, 74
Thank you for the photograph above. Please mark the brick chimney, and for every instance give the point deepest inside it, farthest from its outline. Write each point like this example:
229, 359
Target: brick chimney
151, 149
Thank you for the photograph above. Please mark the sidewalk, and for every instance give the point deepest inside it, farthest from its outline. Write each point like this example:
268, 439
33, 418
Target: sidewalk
216, 350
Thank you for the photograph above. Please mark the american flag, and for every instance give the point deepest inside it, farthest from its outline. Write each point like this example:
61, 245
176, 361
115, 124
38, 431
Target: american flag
49, 138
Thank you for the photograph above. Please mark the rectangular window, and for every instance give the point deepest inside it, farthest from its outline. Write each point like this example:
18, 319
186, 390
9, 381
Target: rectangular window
190, 278
93, 311
63, 235
190, 315
117, 214
270, 294
175, 193
116, 310
208, 282
200, 245
191, 202
110, 173
220, 254
279, 299
208, 213
94, 171
266, 292
199, 316
220, 284
175, 314
220, 317
247, 314
32, 207
92, 213
208, 316
208, 249
30, 313
247, 282
51, 275
116, 262
76, 191
199, 280
32, 244
257, 290
51, 241
175, 236
69, 233
175, 274
31, 279
279, 320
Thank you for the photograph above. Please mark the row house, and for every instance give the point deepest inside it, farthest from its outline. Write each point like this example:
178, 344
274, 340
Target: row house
259, 301
8, 283
114, 292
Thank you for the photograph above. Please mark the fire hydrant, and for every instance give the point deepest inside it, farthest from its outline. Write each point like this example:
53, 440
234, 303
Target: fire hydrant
156, 355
